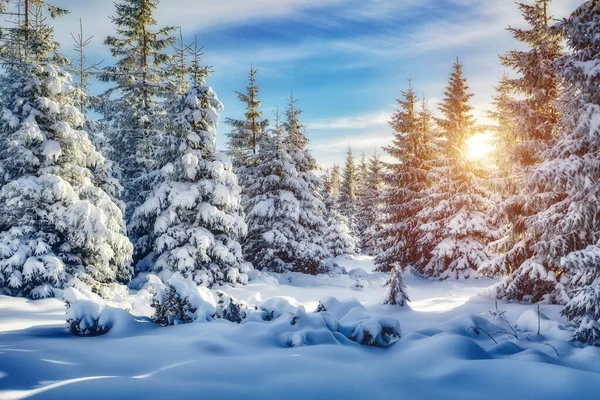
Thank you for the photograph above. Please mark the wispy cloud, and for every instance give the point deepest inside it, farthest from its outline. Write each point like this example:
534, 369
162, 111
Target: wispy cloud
361, 121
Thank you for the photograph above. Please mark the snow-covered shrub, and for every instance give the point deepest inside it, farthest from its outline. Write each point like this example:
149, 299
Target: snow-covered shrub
180, 300
87, 313
337, 307
357, 325
230, 308
376, 331
274, 307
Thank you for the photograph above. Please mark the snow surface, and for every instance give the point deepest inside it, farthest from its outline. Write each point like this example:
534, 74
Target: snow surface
439, 356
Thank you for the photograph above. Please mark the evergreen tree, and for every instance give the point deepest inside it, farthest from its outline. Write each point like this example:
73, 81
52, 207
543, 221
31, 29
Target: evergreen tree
395, 293
578, 149
57, 228
279, 238
535, 110
338, 238
312, 251
333, 182
246, 133
454, 225
558, 251
362, 200
372, 207
348, 191
81, 70
192, 222
131, 108
534, 114
407, 180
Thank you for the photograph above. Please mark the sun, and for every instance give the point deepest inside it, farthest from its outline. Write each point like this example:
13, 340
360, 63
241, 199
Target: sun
480, 147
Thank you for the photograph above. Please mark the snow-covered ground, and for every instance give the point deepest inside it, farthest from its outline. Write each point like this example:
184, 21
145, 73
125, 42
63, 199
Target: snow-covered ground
439, 356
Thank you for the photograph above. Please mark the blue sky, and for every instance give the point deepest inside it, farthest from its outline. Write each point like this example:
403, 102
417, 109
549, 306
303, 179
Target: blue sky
346, 60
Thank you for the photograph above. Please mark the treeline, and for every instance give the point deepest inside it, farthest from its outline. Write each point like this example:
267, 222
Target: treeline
144, 190
535, 219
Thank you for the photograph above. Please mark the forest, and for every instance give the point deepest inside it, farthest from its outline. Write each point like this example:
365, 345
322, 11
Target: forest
120, 208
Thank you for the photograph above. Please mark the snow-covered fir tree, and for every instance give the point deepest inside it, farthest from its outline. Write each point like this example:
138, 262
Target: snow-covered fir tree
407, 180
372, 207
279, 238
246, 133
532, 106
192, 222
535, 109
395, 292
131, 108
310, 195
362, 198
106, 175
455, 225
526, 111
558, 252
57, 228
333, 182
338, 238
575, 160
348, 204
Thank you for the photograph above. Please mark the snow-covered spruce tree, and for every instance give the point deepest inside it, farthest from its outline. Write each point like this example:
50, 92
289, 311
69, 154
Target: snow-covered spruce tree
338, 238
333, 182
56, 227
362, 197
311, 250
273, 210
535, 110
372, 207
106, 175
348, 204
530, 105
131, 108
406, 180
395, 292
277, 238
578, 147
455, 227
192, 221
559, 244
246, 133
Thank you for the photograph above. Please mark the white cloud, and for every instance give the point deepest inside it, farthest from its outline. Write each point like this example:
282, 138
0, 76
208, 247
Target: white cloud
360, 121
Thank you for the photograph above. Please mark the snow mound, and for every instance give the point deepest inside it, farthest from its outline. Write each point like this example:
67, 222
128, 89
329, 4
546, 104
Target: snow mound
89, 315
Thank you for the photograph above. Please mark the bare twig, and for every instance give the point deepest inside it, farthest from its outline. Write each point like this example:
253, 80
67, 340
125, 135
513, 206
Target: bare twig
477, 329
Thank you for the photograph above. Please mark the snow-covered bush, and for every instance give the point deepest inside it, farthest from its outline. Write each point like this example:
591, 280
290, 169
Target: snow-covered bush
230, 308
87, 313
375, 331
180, 300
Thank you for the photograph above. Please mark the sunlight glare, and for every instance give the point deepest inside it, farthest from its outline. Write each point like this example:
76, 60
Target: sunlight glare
480, 146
